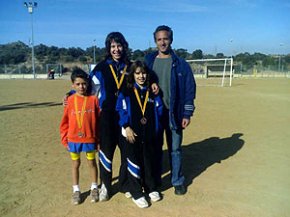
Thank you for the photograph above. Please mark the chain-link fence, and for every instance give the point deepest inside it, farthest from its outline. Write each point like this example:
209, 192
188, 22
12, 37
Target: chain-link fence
262, 71
42, 71
201, 69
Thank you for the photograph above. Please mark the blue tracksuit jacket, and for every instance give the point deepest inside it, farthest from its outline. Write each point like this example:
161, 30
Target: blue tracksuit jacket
183, 88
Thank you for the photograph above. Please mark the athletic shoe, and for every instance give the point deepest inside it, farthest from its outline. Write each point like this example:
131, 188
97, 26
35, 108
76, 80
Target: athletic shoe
141, 202
76, 198
103, 194
154, 196
94, 195
128, 194
180, 190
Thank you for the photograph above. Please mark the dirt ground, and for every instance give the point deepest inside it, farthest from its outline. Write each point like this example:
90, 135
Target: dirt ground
236, 155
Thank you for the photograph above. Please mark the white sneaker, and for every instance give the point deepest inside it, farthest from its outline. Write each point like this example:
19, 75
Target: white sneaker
76, 198
94, 195
141, 202
154, 196
103, 194
128, 194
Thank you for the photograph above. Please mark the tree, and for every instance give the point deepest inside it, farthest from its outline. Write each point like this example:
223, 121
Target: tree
287, 58
83, 59
259, 56
14, 53
268, 60
209, 56
197, 54
41, 51
220, 55
19, 52
182, 53
75, 52
138, 55
246, 59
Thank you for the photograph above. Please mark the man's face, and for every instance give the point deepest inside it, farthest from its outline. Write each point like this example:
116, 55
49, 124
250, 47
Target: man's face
163, 41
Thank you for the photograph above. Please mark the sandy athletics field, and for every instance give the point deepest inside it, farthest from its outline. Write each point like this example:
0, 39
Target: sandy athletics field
236, 155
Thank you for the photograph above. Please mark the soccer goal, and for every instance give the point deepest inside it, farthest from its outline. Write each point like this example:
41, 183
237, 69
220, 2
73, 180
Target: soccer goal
55, 69
216, 71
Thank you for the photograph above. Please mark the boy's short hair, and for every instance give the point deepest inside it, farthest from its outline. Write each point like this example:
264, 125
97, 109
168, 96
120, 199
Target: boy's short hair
79, 73
164, 28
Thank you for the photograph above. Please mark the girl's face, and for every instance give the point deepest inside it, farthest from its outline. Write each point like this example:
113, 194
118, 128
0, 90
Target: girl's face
80, 86
116, 50
140, 76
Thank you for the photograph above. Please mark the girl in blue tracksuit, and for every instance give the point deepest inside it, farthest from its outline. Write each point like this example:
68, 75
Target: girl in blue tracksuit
139, 111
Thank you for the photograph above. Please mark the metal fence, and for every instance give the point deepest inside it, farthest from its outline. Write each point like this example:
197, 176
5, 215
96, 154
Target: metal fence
41, 70
239, 70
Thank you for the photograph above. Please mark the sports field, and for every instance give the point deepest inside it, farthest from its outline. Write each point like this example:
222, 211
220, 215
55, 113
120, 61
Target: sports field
236, 155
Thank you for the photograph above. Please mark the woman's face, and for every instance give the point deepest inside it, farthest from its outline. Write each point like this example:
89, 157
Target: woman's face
140, 76
116, 50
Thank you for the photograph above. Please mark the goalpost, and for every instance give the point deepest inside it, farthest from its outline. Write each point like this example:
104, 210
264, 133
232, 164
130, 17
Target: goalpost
214, 68
57, 68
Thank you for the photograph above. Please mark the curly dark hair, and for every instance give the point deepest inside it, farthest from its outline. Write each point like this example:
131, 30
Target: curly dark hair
118, 38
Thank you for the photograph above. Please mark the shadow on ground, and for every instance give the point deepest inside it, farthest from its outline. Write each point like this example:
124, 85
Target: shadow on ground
199, 156
28, 105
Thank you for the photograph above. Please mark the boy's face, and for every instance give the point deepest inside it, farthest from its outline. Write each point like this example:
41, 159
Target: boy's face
140, 76
81, 86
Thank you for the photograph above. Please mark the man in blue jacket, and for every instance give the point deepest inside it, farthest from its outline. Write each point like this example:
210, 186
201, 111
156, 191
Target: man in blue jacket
177, 86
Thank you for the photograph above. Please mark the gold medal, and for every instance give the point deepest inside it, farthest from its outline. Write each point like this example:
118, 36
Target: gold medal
142, 107
143, 121
80, 134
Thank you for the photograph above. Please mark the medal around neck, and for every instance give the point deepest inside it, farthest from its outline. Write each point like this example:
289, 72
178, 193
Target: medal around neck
143, 121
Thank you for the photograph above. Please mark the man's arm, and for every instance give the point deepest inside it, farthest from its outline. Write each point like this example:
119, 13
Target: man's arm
190, 92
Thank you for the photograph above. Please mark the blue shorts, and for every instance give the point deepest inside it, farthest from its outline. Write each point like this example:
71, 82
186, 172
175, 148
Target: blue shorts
76, 148
81, 147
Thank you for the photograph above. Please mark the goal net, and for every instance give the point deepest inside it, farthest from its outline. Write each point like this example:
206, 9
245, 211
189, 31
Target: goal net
55, 68
216, 72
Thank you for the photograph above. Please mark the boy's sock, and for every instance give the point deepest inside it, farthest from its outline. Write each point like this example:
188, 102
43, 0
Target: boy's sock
76, 188
94, 186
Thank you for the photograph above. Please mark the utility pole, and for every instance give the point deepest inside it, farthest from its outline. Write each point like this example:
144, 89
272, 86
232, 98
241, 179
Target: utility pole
30, 6
94, 51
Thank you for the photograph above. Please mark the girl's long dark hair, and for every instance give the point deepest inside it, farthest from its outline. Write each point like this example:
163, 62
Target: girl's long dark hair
133, 67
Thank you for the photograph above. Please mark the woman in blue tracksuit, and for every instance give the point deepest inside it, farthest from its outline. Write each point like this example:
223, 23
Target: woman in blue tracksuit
107, 80
139, 111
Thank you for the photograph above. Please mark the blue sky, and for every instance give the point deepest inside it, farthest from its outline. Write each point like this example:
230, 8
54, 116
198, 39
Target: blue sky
214, 26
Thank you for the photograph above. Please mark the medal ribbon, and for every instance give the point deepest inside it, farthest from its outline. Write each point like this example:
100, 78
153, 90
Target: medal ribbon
143, 108
115, 76
80, 118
